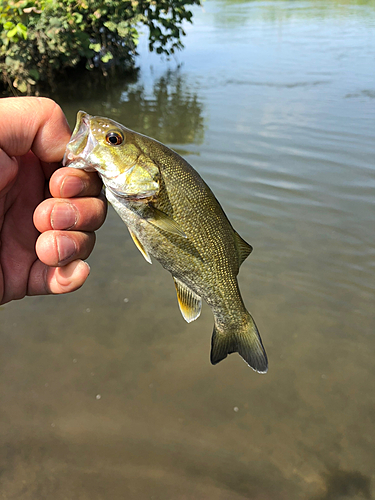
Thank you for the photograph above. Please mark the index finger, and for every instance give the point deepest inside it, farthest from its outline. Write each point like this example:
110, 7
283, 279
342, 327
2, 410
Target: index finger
35, 123
68, 182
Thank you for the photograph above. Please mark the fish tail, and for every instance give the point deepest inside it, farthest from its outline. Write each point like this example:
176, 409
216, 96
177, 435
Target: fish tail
244, 339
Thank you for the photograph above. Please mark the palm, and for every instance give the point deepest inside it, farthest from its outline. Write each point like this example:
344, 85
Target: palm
18, 234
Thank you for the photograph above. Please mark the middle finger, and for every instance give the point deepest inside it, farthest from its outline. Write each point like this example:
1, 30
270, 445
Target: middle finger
80, 214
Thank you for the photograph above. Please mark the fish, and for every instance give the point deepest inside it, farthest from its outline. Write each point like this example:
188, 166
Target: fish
173, 217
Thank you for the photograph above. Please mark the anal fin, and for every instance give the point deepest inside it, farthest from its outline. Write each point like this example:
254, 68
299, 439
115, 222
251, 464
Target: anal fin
189, 302
140, 247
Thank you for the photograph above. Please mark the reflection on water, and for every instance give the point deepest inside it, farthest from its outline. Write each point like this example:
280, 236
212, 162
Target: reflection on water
173, 109
108, 393
166, 104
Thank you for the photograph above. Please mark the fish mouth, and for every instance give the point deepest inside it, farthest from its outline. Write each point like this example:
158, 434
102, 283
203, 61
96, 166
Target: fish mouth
80, 145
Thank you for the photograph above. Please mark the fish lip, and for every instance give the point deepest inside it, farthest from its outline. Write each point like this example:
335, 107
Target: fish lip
81, 129
85, 117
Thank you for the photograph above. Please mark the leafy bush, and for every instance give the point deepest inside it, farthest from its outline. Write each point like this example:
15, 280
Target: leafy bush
41, 38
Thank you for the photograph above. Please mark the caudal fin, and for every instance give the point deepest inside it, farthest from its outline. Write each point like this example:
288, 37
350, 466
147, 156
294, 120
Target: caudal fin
245, 340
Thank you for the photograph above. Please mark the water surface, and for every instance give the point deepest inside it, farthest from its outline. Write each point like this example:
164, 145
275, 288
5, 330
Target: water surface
108, 393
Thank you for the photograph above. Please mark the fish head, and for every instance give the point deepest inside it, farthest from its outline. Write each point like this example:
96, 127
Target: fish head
107, 147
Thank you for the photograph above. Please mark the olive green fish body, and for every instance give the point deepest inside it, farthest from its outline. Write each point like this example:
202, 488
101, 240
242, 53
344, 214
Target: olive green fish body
174, 217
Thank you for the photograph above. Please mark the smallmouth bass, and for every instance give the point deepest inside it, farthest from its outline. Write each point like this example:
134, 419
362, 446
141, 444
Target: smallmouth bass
173, 216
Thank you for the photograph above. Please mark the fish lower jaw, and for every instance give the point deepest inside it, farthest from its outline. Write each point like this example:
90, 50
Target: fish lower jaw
126, 196
70, 160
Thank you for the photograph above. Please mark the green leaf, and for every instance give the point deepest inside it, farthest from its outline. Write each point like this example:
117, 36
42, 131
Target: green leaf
12, 32
22, 30
21, 85
107, 57
78, 16
34, 73
95, 46
55, 21
110, 25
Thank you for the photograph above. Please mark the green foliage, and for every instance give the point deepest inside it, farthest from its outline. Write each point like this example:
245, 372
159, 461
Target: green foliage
41, 38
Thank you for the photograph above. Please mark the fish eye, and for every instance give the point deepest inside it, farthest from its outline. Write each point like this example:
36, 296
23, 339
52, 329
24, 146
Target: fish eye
114, 138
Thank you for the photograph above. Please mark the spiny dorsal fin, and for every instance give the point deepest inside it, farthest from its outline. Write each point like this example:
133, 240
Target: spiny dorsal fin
164, 222
140, 247
243, 248
190, 303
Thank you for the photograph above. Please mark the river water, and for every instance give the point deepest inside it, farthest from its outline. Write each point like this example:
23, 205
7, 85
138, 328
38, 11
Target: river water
109, 394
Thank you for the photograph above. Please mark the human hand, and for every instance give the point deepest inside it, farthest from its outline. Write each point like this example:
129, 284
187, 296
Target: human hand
42, 239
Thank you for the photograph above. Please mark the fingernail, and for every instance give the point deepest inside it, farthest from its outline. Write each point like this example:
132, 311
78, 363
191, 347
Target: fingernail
63, 216
71, 186
66, 248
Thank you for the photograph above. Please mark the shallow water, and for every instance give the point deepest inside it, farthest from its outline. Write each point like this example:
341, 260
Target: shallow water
108, 393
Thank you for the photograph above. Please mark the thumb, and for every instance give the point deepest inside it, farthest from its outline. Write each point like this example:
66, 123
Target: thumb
35, 123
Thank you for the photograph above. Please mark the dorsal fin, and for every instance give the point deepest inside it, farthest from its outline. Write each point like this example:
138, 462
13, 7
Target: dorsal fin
140, 247
243, 248
190, 303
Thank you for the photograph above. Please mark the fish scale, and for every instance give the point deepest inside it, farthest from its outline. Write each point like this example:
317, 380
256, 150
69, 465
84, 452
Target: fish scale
173, 217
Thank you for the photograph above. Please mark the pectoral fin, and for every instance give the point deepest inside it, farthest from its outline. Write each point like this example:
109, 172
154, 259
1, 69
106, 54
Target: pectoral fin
140, 247
190, 303
162, 221
243, 248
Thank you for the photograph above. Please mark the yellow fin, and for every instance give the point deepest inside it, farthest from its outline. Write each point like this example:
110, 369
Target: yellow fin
190, 303
140, 247
243, 248
164, 222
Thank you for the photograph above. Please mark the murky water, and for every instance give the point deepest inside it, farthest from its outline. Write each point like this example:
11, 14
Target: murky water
109, 394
